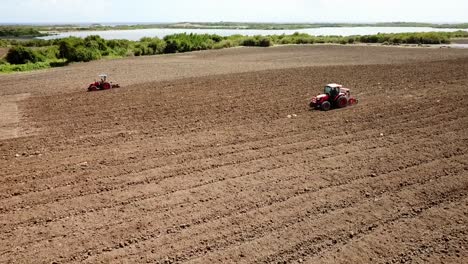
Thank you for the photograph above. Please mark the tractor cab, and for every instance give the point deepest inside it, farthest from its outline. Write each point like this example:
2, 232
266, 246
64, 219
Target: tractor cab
103, 77
332, 89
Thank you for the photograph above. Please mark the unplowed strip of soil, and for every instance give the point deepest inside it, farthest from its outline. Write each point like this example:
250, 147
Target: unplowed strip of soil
10, 115
229, 165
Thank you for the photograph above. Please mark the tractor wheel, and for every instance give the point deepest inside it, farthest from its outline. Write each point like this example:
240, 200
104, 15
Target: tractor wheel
106, 86
92, 88
325, 106
342, 102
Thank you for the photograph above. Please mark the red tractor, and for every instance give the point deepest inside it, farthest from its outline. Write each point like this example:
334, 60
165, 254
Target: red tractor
103, 84
334, 96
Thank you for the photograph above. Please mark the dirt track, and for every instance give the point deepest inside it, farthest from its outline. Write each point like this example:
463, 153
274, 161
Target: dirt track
209, 168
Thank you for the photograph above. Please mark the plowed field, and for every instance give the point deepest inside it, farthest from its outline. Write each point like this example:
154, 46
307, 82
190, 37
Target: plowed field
195, 160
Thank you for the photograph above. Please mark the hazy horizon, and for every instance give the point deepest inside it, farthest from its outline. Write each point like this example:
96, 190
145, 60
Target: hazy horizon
260, 11
194, 22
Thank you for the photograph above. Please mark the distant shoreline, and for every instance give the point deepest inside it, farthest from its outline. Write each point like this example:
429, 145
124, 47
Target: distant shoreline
30, 31
221, 25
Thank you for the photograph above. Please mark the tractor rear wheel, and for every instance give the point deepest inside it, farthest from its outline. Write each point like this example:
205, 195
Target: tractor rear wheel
342, 102
106, 86
325, 106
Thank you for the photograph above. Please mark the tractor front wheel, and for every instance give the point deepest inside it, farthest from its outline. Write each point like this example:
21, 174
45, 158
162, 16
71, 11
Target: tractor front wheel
325, 106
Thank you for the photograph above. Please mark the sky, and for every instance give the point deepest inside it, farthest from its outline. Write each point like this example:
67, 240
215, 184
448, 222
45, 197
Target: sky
101, 11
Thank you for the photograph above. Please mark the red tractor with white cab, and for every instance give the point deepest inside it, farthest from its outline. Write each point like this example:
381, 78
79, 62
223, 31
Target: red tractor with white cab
334, 96
103, 84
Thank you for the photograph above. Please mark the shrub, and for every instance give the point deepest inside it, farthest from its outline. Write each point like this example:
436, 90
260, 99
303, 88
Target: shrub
95, 42
118, 43
205, 45
67, 47
50, 53
38, 43
190, 42
118, 48
369, 39
304, 40
3, 43
249, 41
216, 38
320, 40
157, 45
75, 49
172, 46
85, 54
225, 43
142, 49
257, 41
296, 38
264, 42
409, 38
284, 41
22, 55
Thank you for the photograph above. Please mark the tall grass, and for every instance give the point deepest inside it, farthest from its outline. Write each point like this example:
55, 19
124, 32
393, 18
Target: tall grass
6, 67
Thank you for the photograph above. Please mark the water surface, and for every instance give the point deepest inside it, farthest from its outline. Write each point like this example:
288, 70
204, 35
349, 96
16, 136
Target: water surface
137, 34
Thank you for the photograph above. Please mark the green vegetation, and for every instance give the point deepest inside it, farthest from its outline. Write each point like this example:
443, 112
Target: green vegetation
149, 46
392, 39
3, 43
257, 41
76, 49
38, 54
407, 38
22, 55
6, 68
19, 32
21, 58
190, 42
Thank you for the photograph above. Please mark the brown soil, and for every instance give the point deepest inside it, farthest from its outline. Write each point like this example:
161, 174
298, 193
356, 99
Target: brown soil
195, 160
10, 118
460, 41
3, 52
